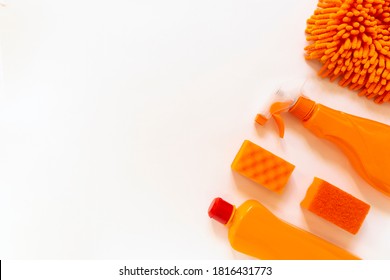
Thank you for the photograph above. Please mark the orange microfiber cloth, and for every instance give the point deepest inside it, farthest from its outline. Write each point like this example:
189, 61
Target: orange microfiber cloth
335, 205
351, 39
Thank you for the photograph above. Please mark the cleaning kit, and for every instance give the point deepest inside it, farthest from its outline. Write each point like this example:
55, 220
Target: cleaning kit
351, 38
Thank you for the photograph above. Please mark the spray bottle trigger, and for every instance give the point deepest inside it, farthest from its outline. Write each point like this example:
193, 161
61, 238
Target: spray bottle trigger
279, 122
261, 120
275, 110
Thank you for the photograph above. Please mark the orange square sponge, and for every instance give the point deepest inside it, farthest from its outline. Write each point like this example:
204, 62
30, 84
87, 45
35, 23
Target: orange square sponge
335, 205
262, 167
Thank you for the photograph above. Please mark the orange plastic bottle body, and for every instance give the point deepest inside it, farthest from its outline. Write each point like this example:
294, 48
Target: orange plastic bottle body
255, 231
365, 142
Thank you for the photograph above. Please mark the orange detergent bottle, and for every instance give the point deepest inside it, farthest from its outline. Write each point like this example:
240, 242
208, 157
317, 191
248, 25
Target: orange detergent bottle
365, 142
255, 231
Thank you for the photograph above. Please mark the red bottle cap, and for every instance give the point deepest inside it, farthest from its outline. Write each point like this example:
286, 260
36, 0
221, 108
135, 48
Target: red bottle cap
221, 210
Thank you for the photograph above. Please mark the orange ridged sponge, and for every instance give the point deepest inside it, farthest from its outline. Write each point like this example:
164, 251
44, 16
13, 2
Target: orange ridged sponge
352, 40
262, 167
335, 205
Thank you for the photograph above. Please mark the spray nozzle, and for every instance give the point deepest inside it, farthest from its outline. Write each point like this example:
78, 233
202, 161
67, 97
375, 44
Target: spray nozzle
274, 112
281, 101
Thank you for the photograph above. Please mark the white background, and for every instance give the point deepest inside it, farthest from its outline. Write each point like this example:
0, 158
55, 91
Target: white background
119, 121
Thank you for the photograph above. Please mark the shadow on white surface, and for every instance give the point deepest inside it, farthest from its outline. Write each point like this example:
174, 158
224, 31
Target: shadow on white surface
257, 192
328, 231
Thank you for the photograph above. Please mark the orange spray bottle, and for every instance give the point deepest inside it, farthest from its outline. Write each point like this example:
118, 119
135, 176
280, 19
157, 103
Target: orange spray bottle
255, 231
365, 142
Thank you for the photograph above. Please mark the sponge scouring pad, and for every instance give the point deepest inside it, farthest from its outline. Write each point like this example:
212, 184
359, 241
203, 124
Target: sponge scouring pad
335, 205
262, 167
